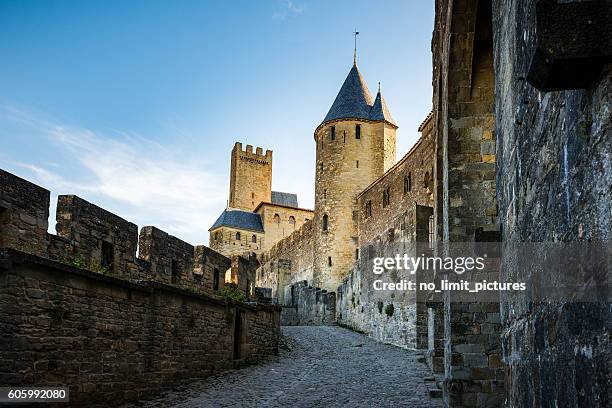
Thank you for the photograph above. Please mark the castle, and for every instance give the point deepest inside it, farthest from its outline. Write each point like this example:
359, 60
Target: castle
355, 153
515, 151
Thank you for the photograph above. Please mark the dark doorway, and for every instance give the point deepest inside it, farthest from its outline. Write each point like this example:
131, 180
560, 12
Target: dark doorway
108, 256
237, 334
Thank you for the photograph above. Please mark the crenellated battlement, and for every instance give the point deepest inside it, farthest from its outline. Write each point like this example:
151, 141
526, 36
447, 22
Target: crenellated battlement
248, 152
90, 237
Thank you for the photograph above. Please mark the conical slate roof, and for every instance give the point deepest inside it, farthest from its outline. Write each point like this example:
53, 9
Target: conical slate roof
354, 101
380, 111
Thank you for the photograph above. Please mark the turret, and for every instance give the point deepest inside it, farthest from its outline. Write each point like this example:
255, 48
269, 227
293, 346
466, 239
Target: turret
355, 145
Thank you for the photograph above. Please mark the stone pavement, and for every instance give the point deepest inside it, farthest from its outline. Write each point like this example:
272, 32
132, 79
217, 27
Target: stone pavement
327, 366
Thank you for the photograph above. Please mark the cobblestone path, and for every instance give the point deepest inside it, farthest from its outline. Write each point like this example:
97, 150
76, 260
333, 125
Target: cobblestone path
328, 366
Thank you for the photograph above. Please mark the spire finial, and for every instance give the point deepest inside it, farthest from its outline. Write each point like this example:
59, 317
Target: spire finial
378, 86
355, 34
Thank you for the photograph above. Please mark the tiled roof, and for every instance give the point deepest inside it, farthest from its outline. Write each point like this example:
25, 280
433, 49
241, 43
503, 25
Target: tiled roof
288, 199
239, 219
354, 101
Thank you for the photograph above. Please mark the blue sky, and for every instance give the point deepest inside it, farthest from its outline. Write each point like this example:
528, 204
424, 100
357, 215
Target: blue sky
136, 105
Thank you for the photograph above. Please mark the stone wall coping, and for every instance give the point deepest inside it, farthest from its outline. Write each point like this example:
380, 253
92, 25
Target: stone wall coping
9, 256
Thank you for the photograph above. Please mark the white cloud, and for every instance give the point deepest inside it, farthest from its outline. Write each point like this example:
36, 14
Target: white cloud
288, 8
140, 180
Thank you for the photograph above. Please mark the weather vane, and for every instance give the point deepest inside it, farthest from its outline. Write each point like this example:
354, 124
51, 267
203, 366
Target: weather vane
355, 34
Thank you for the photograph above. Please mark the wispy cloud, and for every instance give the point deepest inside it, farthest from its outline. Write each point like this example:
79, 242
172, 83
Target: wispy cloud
288, 8
144, 181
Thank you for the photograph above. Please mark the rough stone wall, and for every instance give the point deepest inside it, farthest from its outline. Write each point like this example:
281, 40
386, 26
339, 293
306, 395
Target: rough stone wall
395, 318
250, 177
24, 214
223, 240
280, 222
243, 274
92, 238
112, 340
207, 264
554, 175
391, 229
92, 230
310, 306
344, 167
170, 258
287, 262
464, 190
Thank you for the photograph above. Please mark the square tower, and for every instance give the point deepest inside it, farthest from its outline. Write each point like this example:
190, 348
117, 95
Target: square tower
250, 177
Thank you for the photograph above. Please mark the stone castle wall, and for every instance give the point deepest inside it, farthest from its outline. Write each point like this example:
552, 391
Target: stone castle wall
344, 167
388, 227
288, 262
87, 311
250, 177
112, 340
24, 214
554, 153
226, 240
280, 222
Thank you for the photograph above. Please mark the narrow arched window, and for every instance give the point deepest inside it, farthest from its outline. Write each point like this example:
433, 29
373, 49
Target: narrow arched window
217, 236
292, 220
332, 133
357, 131
238, 236
254, 239
408, 183
325, 222
329, 261
276, 219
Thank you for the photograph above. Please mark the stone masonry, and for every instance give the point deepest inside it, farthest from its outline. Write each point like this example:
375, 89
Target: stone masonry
88, 312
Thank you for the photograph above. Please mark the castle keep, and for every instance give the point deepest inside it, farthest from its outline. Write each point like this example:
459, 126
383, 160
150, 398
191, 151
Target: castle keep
256, 217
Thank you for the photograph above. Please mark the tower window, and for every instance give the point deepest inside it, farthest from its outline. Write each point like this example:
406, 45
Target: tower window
408, 183
324, 193
276, 219
325, 222
216, 274
321, 166
357, 131
357, 253
238, 236
368, 209
332, 133
357, 163
387, 197
329, 261
252, 195
254, 239
292, 220
344, 136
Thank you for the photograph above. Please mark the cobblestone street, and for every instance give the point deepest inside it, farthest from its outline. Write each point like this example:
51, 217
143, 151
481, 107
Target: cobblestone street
328, 366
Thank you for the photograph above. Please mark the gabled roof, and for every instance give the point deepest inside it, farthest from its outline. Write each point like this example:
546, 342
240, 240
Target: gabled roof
286, 199
239, 219
354, 101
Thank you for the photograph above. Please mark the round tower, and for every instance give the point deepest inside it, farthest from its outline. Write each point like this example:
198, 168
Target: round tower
355, 145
